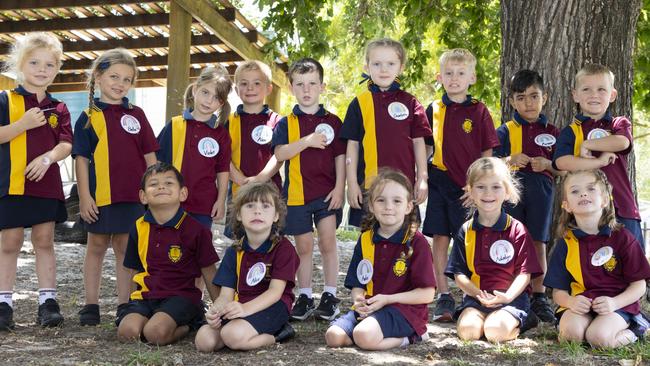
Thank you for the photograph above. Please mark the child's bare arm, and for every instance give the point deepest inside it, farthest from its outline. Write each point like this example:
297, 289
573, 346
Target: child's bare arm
208, 275
37, 168
335, 197
269, 297
611, 143
355, 197
414, 297
150, 158
486, 153
465, 284
578, 304
421, 184
236, 175
87, 207
219, 207
606, 304
270, 169
573, 163
288, 151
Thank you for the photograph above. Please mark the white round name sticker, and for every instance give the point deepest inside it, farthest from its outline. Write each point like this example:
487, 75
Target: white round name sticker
502, 252
597, 133
364, 271
545, 140
262, 135
398, 111
130, 124
256, 274
208, 147
326, 130
601, 256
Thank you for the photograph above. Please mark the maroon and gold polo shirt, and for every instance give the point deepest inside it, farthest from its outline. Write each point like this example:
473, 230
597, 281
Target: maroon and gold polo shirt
461, 132
311, 174
169, 256
199, 150
115, 143
250, 271
491, 257
16, 154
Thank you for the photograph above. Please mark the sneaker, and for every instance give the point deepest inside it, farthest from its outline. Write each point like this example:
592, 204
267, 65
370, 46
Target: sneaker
541, 307
531, 322
89, 315
49, 314
287, 332
444, 308
328, 308
303, 308
6, 317
120, 314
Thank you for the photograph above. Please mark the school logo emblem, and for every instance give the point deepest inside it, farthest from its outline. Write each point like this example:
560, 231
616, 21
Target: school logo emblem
262, 135
208, 147
256, 274
610, 264
602, 256
399, 268
398, 111
53, 120
467, 125
130, 124
327, 131
364, 271
175, 253
502, 252
597, 133
545, 140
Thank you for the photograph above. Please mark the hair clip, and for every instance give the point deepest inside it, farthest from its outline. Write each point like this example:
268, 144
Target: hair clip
103, 65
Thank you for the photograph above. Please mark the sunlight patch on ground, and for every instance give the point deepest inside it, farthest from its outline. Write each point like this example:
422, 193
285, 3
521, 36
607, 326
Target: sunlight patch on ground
23, 295
25, 261
379, 358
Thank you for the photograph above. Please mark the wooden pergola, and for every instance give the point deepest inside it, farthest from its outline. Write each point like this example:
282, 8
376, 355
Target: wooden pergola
171, 40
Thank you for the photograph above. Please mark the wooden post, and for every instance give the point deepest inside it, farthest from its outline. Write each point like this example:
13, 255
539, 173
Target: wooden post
178, 67
274, 99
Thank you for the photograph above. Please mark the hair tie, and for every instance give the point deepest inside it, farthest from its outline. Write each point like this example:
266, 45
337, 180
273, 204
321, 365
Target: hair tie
103, 65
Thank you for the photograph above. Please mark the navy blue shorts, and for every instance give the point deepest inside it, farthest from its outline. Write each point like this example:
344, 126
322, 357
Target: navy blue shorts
181, 309
116, 218
392, 323
301, 219
27, 211
445, 212
269, 320
518, 308
634, 227
205, 220
535, 209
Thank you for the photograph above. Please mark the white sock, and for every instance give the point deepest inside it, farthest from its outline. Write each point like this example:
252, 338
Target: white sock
46, 293
405, 342
330, 289
306, 291
7, 297
442, 293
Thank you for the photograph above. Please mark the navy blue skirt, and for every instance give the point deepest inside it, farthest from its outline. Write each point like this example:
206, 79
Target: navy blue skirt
27, 211
116, 218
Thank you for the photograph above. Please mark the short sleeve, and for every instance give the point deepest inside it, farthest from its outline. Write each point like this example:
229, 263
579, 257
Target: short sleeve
634, 263
205, 253
557, 275
225, 153
227, 273
503, 150
148, 142
526, 261
429, 113
131, 256
565, 142
489, 139
621, 126
165, 142
422, 274
64, 128
84, 140
338, 144
457, 263
285, 262
420, 125
352, 123
281, 133
351, 280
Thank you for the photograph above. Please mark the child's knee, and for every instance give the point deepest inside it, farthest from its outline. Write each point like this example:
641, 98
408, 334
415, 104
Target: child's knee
157, 333
468, 331
571, 334
365, 338
497, 334
599, 338
128, 332
336, 337
232, 338
205, 341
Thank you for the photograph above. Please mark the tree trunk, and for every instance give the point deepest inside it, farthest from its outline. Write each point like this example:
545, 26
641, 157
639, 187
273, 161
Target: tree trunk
556, 38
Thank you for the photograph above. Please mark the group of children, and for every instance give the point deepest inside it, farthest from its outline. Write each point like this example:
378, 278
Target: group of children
208, 156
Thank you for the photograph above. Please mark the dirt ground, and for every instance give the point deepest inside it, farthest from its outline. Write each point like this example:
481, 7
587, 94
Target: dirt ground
72, 344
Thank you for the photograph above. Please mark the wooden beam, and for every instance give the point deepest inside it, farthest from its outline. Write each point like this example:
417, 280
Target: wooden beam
180, 32
54, 88
231, 36
46, 4
58, 24
143, 75
197, 58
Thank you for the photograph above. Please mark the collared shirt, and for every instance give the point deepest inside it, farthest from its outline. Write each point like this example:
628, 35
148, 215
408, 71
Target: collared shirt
461, 133
199, 150
169, 256
258, 267
385, 124
604, 264
492, 257
390, 277
584, 128
311, 174
115, 144
16, 154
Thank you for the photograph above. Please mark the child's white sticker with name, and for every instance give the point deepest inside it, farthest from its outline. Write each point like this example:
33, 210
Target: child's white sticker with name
262, 135
364, 271
597, 133
208, 147
398, 111
256, 274
130, 124
327, 131
545, 140
502, 252
601, 256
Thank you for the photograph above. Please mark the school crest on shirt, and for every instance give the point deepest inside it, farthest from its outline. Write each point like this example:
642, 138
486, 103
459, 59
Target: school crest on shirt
262, 135
175, 253
208, 147
398, 111
53, 120
130, 124
610, 264
399, 268
468, 125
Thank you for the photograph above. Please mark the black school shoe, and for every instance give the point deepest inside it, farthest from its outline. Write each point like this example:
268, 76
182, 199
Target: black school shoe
49, 314
285, 333
303, 308
445, 306
328, 308
89, 315
6, 317
540, 306
531, 322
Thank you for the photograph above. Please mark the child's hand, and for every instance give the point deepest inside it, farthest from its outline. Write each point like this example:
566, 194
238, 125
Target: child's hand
88, 210
421, 190
585, 153
540, 164
361, 307
607, 158
33, 118
497, 298
233, 310
466, 198
335, 198
316, 140
604, 305
218, 211
377, 302
213, 318
355, 197
580, 304
37, 168
519, 160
